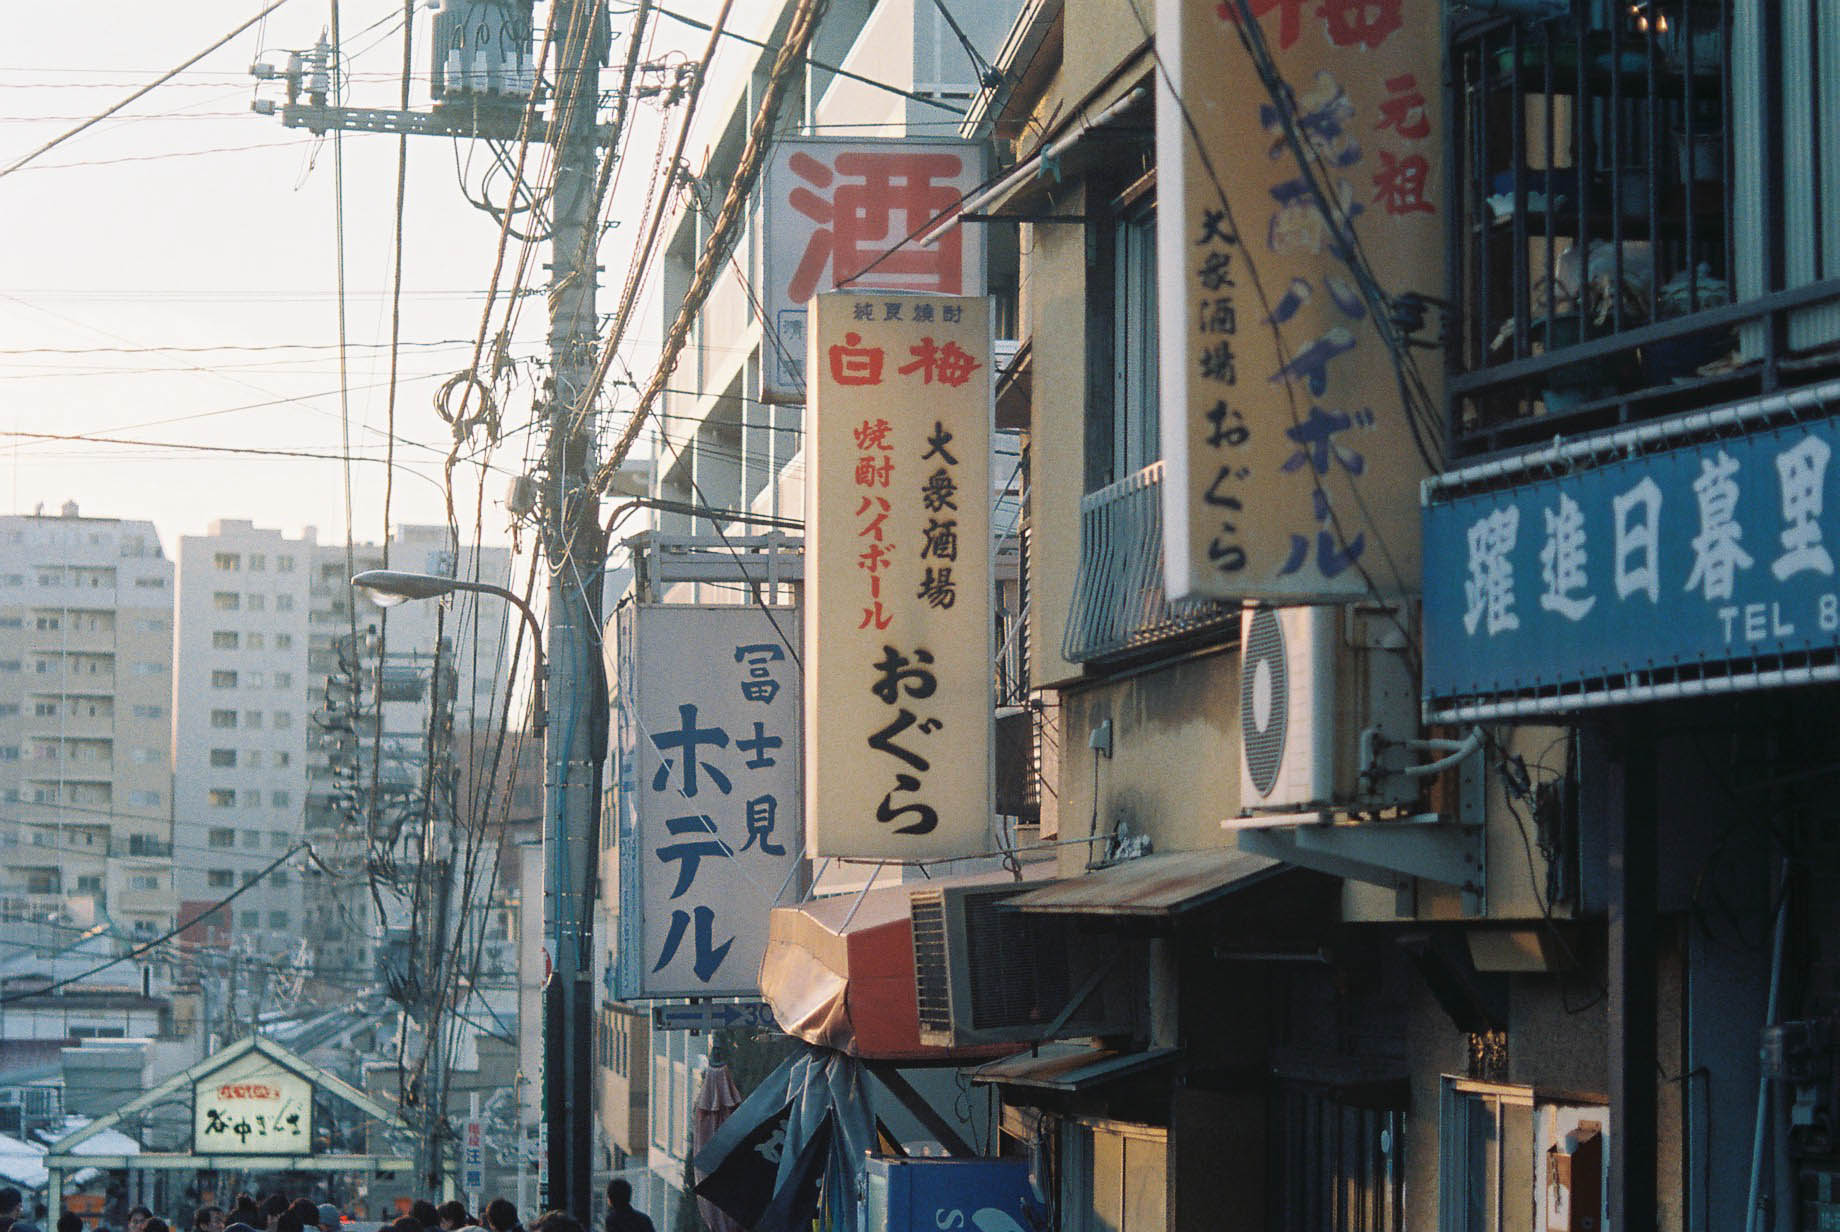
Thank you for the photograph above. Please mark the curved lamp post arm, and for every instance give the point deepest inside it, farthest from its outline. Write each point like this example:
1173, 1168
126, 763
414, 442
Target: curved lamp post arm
389, 587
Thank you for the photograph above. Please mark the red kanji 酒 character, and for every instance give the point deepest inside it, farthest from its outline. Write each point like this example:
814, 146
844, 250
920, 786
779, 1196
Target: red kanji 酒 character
858, 228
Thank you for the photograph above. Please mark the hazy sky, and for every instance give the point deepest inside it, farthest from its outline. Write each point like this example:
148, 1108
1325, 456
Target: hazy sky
169, 276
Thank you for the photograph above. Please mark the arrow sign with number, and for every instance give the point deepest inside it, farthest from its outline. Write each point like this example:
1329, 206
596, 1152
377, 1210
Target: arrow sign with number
712, 1016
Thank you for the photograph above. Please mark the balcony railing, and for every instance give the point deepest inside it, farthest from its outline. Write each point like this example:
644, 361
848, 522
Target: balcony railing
140, 845
1642, 217
1119, 605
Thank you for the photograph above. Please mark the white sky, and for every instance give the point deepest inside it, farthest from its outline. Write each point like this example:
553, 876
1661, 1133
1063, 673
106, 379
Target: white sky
217, 231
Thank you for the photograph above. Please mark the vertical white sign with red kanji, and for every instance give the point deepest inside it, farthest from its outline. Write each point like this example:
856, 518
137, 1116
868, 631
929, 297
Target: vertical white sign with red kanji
898, 593
1293, 459
843, 213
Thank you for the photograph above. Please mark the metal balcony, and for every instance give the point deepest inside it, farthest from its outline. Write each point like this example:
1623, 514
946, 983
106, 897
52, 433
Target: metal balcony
1119, 605
1641, 218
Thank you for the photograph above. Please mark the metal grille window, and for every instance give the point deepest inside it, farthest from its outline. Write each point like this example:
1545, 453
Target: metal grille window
1119, 604
1642, 220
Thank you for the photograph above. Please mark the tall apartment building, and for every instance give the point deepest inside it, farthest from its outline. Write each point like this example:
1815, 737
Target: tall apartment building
265, 621
240, 719
85, 686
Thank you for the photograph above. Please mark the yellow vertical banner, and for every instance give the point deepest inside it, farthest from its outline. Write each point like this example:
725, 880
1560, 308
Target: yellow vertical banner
1299, 197
898, 583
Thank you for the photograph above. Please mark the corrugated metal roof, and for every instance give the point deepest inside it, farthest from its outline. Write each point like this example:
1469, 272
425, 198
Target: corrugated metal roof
1152, 886
1078, 1070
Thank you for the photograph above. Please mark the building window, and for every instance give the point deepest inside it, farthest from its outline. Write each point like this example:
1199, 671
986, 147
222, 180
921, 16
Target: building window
223, 718
1123, 426
278, 919
255, 641
1114, 1177
283, 759
227, 601
224, 640
223, 758
220, 879
221, 797
223, 680
143, 881
284, 680
252, 840
283, 719
221, 836
284, 603
278, 799
159, 712
45, 710
144, 799
284, 641
257, 602
1490, 1138
278, 878
48, 623
254, 680
284, 564
226, 562
258, 563
249, 919
253, 718
149, 669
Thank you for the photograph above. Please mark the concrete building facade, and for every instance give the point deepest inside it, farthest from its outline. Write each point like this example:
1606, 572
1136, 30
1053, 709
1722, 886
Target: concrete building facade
85, 697
240, 724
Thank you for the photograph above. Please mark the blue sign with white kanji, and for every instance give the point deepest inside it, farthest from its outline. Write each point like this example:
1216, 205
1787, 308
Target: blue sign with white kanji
1705, 565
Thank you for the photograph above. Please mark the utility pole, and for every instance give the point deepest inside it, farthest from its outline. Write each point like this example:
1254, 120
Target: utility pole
574, 740
575, 735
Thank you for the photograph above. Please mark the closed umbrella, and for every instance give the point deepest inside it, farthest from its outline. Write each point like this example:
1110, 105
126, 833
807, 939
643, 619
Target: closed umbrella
716, 1101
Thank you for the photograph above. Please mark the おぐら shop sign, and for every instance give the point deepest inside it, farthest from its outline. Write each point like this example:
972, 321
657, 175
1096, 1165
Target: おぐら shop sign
1623, 569
898, 626
258, 1110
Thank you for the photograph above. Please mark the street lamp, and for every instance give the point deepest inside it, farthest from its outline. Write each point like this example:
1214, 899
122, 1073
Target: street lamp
389, 587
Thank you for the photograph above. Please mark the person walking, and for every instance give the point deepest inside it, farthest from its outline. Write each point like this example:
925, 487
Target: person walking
621, 1217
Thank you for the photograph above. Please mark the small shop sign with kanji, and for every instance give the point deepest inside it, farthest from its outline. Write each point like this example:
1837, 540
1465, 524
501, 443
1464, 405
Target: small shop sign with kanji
253, 1107
898, 642
1292, 457
707, 707
847, 212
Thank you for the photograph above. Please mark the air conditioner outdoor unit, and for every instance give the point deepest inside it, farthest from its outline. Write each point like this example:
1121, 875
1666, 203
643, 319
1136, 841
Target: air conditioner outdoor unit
983, 975
1313, 681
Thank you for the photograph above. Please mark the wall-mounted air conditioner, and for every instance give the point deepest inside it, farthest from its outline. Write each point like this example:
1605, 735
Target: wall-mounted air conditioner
1322, 690
983, 975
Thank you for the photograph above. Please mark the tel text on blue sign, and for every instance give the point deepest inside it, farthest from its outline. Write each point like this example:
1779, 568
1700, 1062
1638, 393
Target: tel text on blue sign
1681, 565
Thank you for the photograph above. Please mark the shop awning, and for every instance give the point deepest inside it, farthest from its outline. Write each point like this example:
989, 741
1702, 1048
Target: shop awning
1072, 1067
839, 973
1155, 886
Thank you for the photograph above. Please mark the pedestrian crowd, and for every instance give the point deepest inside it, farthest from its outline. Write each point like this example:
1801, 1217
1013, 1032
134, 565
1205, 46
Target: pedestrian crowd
276, 1213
